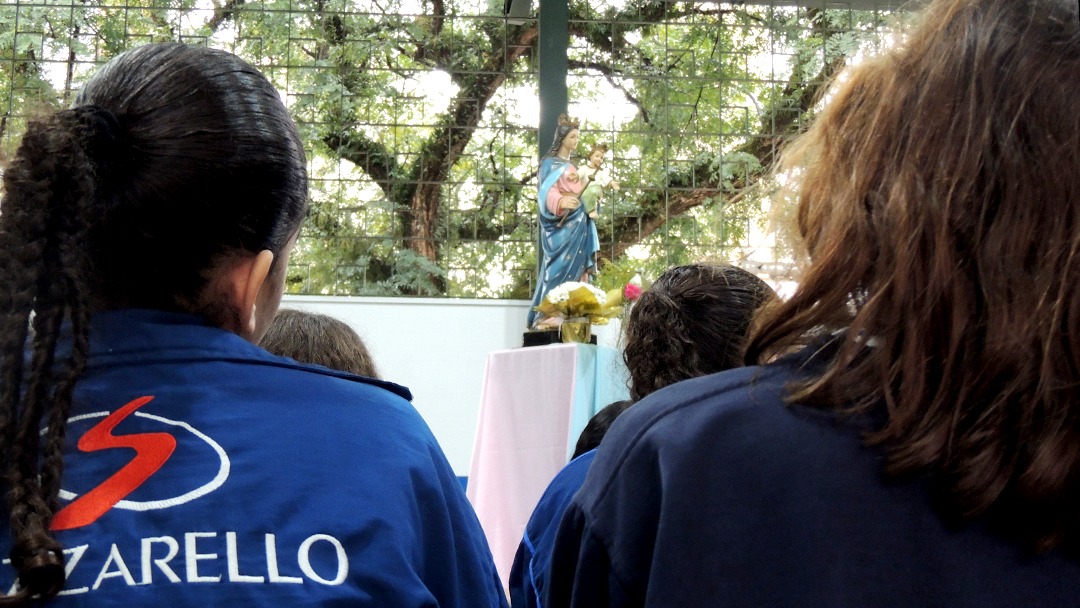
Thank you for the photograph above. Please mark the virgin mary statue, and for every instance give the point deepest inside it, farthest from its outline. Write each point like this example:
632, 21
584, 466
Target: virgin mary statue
567, 234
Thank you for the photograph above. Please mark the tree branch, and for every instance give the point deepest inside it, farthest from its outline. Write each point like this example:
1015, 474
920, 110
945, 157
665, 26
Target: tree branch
447, 143
796, 99
438, 16
223, 13
368, 154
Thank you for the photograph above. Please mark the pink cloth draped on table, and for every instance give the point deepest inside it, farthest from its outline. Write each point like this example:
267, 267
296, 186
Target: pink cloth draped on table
534, 404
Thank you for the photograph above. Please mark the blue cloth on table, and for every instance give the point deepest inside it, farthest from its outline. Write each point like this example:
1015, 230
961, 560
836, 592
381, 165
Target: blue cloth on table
602, 379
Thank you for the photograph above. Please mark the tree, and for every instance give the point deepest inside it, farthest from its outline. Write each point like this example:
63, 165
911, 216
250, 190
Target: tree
422, 163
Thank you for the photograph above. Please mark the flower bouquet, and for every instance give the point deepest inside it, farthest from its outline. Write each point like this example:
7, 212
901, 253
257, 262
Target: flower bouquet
579, 305
575, 300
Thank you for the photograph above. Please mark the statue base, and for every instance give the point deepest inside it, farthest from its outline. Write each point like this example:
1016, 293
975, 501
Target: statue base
544, 337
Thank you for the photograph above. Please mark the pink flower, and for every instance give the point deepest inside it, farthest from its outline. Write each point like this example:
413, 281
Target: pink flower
631, 292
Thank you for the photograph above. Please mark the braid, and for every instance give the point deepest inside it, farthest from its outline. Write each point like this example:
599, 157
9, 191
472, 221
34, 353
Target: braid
72, 273
49, 192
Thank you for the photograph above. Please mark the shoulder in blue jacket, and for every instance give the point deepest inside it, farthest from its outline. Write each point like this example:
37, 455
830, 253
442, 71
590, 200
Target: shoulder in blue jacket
529, 573
713, 492
203, 471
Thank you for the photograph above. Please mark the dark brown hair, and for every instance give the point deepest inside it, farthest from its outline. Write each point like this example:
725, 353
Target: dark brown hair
310, 337
939, 199
173, 157
563, 127
598, 426
691, 322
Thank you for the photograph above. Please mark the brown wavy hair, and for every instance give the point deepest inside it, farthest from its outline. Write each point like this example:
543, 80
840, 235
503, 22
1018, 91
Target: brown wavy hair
939, 199
691, 322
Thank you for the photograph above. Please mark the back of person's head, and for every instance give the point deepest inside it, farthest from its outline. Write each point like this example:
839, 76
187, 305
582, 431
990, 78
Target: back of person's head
310, 337
598, 426
175, 162
201, 160
939, 199
691, 322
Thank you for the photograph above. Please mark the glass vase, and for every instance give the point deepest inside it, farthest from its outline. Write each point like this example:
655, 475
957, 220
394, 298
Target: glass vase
576, 329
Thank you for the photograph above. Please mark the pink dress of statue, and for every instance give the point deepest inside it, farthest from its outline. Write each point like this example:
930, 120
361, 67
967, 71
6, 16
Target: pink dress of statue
569, 185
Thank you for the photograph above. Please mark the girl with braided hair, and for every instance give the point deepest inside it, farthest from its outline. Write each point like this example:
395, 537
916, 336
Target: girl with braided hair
151, 453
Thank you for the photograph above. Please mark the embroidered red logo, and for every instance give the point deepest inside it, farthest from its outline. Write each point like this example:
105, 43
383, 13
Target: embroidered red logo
152, 451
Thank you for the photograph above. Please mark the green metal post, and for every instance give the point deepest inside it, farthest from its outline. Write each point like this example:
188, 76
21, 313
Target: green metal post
554, 40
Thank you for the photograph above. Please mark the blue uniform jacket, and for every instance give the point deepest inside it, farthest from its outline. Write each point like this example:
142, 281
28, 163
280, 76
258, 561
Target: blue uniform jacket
712, 492
528, 575
203, 471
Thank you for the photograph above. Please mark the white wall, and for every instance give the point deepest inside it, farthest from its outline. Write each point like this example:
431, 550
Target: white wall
438, 348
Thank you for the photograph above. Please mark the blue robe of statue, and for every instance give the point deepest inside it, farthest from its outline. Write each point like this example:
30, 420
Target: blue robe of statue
569, 248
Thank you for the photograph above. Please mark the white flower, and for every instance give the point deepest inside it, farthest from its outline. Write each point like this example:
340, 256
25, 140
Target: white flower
561, 293
635, 280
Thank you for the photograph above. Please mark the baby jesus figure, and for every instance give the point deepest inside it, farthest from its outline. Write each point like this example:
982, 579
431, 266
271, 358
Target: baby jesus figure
596, 180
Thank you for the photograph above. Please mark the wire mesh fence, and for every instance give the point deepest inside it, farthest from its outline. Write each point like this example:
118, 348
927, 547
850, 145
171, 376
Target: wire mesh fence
420, 121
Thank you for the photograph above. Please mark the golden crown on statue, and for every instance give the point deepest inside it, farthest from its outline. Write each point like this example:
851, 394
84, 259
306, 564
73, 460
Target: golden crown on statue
567, 121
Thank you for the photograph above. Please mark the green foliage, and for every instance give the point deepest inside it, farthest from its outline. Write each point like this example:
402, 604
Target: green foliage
422, 153
413, 274
617, 273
